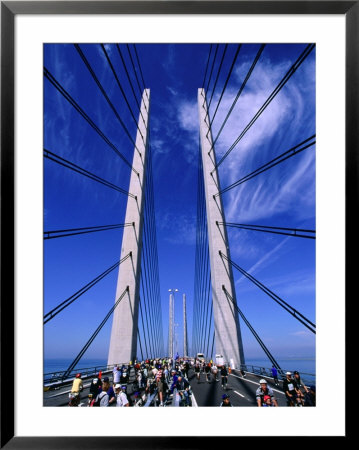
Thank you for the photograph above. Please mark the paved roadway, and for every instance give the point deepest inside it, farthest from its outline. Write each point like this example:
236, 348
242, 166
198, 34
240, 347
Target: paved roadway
241, 391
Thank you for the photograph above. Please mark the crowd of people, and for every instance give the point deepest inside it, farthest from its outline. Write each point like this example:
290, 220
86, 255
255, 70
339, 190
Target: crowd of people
141, 383
136, 383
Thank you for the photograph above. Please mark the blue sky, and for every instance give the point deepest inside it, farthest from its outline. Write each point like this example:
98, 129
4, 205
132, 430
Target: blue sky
283, 196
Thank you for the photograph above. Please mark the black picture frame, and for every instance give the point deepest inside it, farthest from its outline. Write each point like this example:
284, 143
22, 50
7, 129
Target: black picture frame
9, 9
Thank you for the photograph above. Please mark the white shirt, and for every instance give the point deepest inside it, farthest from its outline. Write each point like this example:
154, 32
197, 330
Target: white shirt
122, 399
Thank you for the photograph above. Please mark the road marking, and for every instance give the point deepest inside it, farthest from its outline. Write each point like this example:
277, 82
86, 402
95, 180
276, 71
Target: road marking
254, 382
194, 401
239, 394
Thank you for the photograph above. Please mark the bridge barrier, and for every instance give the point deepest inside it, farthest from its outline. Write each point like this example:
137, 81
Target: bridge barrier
151, 398
265, 372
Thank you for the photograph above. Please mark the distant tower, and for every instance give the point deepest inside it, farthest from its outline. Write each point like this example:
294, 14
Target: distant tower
185, 346
170, 327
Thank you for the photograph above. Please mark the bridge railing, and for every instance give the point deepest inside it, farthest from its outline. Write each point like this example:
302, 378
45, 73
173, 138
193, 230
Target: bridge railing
307, 378
86, 372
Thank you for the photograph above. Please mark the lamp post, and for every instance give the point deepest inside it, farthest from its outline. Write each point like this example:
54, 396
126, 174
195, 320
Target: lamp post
171, 324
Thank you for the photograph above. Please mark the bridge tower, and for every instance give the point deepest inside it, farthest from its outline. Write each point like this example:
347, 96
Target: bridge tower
228, 340
185, 342
170, 326
123, 343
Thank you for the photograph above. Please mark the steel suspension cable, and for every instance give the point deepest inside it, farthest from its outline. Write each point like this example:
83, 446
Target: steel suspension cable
153, 223
296, 314
122, 91
68, 97
61, 306
259, 340
281, 84
267, 229
209, 57
216, 80
139, 340
238, 93
139, 66
225, 86
69, 165
143, 328
102, 89
274, 162
150, 248
214, 59
92, 338
76, 231
130, 81
209, 334
134, 68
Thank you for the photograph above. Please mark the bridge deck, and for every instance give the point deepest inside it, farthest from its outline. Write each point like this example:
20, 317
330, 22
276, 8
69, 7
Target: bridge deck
241, 391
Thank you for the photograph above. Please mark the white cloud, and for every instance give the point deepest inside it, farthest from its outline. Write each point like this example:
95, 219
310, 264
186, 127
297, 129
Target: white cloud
302, 333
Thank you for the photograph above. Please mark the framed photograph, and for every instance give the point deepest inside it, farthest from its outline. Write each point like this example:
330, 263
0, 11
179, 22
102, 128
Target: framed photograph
47, 47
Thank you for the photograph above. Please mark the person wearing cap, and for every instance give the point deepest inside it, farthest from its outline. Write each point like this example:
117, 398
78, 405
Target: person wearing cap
309, 397
267, 401
95, 387
121, 397
265, 390
77, 384
76, 388
291, 390
225, 400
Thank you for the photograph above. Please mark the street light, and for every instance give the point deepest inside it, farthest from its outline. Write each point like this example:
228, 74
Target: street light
171, 324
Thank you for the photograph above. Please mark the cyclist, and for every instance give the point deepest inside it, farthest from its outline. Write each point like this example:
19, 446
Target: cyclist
225, 400
215, 371
224, 376
77, 387
262, 394
197, 370
207, 370
183, 388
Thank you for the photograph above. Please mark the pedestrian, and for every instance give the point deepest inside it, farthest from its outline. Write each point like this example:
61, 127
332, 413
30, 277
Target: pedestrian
301, 387
116, 375
264, 390
291, 391
225, 400
275, 375
121, 397
95, 387
160, 382
102, 398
